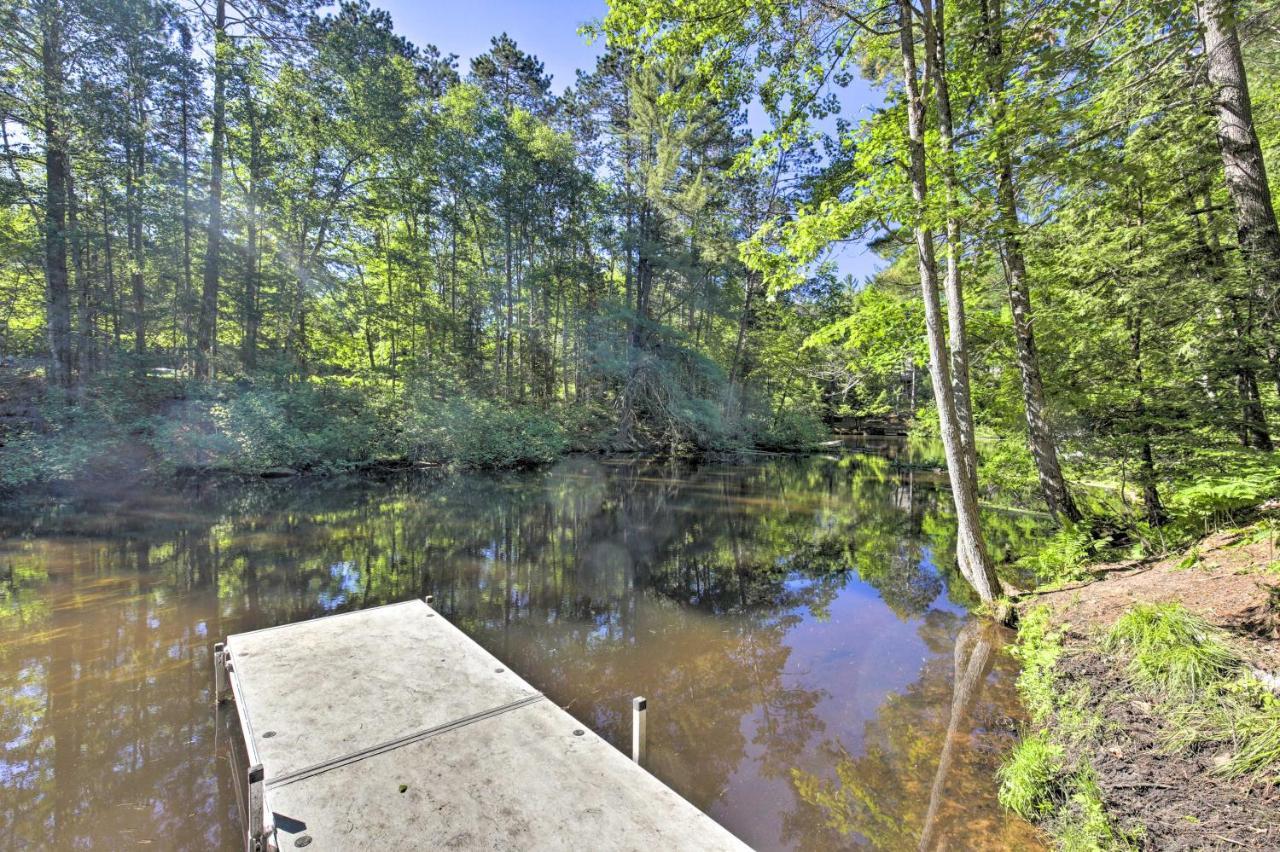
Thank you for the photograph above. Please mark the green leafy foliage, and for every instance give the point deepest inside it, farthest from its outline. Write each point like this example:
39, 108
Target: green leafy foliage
475, 433
1215, 497
1064, 555
1038, 648
792, 429
305, 427
31, 458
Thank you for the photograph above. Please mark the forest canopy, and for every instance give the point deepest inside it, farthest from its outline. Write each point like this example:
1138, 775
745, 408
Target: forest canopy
262, 234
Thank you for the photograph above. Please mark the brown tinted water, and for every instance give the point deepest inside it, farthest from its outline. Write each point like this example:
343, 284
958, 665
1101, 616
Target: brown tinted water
813, 679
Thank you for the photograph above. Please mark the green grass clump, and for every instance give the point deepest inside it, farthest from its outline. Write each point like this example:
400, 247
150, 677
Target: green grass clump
1242, 714
1085, 826
1173, 649
1038, 649
1047, 777
1029, 778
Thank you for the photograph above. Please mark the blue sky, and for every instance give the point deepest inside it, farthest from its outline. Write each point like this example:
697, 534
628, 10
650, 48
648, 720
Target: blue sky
544, 28
548, 29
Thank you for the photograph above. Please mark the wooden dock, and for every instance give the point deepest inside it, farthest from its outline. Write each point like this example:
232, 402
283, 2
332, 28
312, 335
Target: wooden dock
388, 728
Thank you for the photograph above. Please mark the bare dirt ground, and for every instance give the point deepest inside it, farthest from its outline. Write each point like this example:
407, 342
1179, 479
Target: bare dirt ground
1178, 797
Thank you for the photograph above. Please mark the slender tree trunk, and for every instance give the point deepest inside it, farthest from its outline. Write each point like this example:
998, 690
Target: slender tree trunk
509, 307
970, 547
252, 284
207, 328
1040, 433
736, 367
1243, 164
1146, 475
136, 154
57, 292
113, 297
953, 286
1043, 448
1253, 419
187, 283
81, 355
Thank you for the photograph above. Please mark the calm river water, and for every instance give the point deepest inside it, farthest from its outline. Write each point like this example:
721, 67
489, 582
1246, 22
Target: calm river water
813, 679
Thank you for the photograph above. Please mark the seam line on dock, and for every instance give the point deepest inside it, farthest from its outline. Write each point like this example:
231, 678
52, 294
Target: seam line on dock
391, 745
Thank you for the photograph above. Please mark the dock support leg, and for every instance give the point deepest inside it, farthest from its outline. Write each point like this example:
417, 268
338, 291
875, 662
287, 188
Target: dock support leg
221, 687
256, 841
639, 732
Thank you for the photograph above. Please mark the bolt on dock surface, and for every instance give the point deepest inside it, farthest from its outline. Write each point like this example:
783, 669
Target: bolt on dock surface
388, 728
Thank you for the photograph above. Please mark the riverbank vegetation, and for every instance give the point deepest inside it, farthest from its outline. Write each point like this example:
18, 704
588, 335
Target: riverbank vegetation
1153, 701
251, 235
267, 238
1078, 196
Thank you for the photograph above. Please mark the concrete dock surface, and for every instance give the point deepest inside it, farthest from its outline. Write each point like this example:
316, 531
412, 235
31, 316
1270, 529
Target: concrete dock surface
388, 728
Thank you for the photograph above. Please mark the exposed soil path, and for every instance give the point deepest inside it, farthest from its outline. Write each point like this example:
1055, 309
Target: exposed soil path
1177, 797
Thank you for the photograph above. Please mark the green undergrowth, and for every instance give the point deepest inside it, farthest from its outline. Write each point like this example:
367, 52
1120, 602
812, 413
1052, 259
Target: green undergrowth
161, 424
1241, 715
1207, 691
1171, 650
1187, 670
1213, 492
1047, 777
1203, 686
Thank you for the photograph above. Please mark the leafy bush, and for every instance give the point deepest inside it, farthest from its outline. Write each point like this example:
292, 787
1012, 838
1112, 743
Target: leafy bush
1221, 495
306, 426
1226, 483
587, 427
73, 439
671, 396
476, 433
792, 429
1172, 649
29, 458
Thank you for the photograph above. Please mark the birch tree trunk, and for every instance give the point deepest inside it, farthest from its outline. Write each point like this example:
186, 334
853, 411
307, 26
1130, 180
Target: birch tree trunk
936, 70
971, 549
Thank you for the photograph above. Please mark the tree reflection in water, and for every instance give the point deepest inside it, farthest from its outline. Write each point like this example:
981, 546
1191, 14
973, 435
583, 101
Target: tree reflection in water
785, 618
